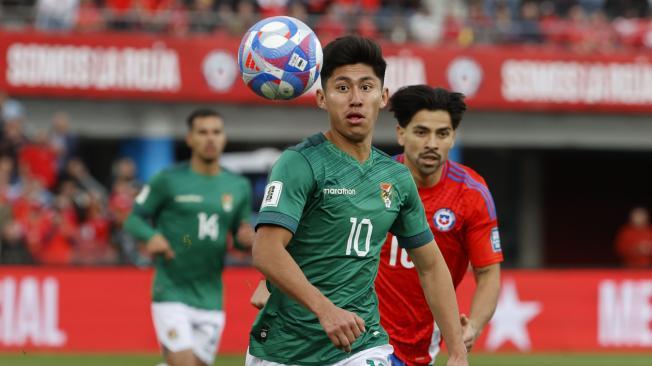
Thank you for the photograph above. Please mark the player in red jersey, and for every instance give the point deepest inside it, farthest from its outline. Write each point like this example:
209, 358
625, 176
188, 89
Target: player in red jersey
462, 216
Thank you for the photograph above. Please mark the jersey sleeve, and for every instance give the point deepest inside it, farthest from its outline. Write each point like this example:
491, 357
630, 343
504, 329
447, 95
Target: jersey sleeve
243, 211
410, 227
287, 191
146, 205
481, 235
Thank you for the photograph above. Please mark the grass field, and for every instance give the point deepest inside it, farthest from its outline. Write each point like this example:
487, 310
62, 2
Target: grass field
476, 360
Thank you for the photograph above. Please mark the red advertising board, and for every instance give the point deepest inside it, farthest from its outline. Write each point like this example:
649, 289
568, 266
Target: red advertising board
107, 310
144, 67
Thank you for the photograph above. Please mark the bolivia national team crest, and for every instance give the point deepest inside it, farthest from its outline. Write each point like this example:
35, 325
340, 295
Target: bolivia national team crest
227, 202
386, 194
444, 219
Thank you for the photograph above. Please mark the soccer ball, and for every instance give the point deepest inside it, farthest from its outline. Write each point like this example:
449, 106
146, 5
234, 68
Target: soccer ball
280, 58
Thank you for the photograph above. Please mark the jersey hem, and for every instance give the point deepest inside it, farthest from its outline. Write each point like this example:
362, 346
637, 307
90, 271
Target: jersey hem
278, 219
416, 241
263, 356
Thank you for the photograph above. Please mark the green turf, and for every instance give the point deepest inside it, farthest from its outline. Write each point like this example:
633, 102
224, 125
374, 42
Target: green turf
29, 359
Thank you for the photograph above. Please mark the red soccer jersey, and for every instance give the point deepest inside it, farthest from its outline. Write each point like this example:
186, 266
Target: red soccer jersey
462, 217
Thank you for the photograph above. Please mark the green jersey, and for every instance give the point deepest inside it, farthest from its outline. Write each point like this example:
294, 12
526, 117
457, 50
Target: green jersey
194, 212
339, 211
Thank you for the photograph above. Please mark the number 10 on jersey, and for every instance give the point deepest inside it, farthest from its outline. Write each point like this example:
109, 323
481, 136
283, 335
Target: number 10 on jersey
353, 244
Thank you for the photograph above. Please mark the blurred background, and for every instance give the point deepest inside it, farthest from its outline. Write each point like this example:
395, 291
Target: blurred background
93, 100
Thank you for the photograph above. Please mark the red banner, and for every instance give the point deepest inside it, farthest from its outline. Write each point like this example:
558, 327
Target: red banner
118, 66
108, 310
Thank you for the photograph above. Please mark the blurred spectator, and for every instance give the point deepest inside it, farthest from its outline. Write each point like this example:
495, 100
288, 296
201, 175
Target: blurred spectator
298, 10
39, 159
11, 110
331, 25
11, 142
89, 17
272, 8
529, 30
76, 171
424, 27
204, 19
56, 15
634, 240
13, 248
93, 245
367, 27
245, 17
62, 140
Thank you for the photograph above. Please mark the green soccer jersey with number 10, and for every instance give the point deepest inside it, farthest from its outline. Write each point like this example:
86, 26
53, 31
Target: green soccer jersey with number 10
340, 211
194, 212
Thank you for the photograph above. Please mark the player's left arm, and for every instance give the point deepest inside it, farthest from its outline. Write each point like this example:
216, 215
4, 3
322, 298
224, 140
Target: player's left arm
243, 232
482, 242
483, 304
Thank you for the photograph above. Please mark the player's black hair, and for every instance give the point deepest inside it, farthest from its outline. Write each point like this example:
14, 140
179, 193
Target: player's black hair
350, 50
201, 113
409, 100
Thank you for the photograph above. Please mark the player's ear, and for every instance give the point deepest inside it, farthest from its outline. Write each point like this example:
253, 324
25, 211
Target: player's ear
400, 135
320, 98
385, 97
188, 139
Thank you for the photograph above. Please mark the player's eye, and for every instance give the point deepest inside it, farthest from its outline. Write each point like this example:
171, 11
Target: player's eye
341, 87
367, 87
444, 134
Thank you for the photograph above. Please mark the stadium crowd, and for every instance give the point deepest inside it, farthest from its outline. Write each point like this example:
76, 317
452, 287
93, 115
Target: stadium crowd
580, 25
52, 210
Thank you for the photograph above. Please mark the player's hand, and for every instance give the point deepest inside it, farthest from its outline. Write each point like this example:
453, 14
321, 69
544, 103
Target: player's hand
469, 332
260, 295
157, 244
245, 235
342, 327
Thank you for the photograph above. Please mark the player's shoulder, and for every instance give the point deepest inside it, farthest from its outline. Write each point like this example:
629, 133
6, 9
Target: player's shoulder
233, 176
309, 145
389, 163
465, 174
175, 170
474, 187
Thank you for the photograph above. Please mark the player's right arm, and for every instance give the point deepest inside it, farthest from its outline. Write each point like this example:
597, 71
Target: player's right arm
148, 202
291, 183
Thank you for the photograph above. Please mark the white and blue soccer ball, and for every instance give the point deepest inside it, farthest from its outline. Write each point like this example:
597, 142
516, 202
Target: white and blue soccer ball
280, 58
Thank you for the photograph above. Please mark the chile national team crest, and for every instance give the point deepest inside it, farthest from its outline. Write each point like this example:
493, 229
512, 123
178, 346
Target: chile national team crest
386, 194
444, 219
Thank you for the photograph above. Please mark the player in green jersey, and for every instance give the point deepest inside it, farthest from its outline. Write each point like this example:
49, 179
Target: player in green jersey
326, 212
193, 206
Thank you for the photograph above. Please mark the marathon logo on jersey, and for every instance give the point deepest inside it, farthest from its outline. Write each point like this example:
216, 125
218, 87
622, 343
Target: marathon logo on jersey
386, 194
188, 198
339, 191
444, 219
272, 194
227, 202
495, 240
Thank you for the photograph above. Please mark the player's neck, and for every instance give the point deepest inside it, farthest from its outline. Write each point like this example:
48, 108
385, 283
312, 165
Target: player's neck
204, 168
425, 180
360, 151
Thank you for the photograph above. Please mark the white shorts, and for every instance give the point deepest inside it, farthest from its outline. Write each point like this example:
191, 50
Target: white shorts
376, 356
180, 327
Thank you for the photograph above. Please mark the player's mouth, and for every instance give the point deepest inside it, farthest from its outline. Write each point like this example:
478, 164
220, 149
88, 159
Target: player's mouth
354, 118
430, 159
